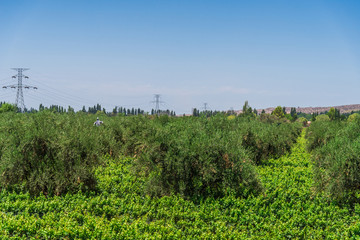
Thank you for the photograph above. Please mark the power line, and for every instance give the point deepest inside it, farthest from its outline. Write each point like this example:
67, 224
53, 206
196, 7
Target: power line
7, 78
62, 93
77, 98
70, 98
19, 94
6, 96
48, 92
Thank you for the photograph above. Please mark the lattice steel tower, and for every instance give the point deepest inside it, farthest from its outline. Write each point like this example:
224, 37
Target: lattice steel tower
157, 103
205, 107
20, 95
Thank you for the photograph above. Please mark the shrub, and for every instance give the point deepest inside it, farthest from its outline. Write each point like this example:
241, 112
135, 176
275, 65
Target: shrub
323, 118
197, 157
56, 153
268, 118
353, 117
6, 107
337, 163
266, 140
207, 156
321, 132
48, 153
303, 121
129, 133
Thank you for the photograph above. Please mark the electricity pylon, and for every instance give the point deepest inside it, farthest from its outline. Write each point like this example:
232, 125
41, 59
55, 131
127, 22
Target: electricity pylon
205, 107
157, 103
20, 95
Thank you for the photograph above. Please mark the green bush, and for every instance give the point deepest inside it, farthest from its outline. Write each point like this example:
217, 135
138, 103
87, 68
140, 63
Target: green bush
303, 121
267, 140
322, 118
321, 132
207, 156
268, 118
337, 163
56, 153
130, 132
6, 107
354, 117
48, 153
197, 157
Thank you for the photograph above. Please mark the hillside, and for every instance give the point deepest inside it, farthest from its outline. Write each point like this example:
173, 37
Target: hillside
342, 108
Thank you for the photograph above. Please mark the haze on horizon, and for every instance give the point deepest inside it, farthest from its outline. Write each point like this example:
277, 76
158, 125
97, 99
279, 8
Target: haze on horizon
121, 53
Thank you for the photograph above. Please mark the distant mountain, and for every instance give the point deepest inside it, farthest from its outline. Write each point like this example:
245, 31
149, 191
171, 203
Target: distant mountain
343, 109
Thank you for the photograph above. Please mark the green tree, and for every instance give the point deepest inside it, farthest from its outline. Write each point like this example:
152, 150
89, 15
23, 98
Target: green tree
278, 112
313, 116
337, 114
115, 110
70, 110
303, 121
6, 107
353, 117
323, 118
41, 107
196, 112
334, 114
293, 114
247, 110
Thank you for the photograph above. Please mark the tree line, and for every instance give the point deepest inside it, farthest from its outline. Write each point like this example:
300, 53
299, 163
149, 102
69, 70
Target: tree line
6, 107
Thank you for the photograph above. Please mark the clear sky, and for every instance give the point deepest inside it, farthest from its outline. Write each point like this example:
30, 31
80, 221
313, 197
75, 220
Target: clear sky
121, 53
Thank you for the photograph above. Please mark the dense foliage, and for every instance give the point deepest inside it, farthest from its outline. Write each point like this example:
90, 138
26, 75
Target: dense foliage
197, 157
321, 132
222, 177
268, 140
336, 158
285, 210
56, 153
47, 153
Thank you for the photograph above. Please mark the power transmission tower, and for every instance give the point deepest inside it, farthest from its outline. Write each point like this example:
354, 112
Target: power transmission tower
157, 103
19, 95
205, 106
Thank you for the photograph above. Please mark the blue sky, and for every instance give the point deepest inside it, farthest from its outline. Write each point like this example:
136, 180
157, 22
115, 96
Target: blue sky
120, 53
